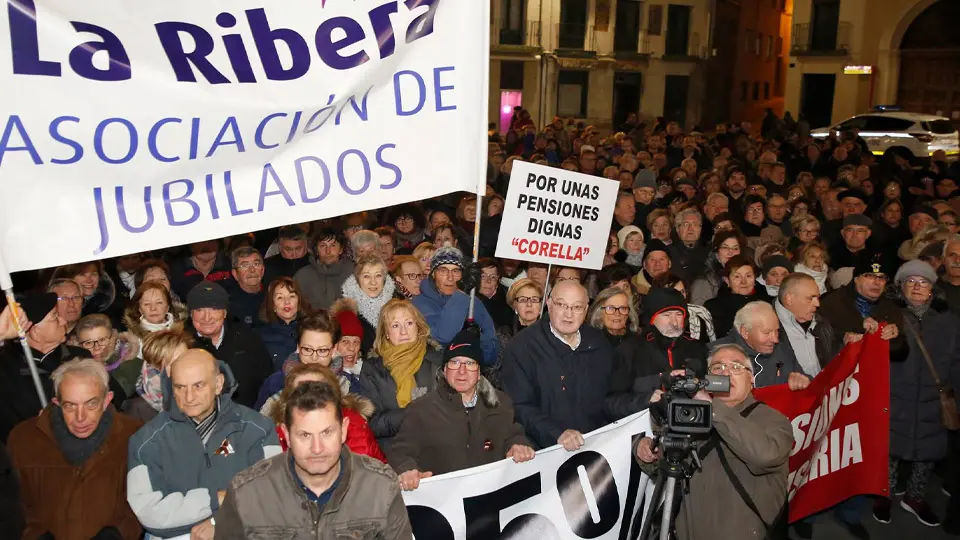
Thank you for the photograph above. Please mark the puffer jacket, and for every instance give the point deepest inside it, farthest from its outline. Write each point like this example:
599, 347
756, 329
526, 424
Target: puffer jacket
320, 283
174, 478
378, 386
440, 435
268, 501
916, 429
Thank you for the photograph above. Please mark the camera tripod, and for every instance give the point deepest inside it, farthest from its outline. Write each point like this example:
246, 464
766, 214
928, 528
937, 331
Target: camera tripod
678, 463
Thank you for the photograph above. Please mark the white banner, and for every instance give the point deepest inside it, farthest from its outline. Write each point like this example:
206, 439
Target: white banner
559, 495
555, 216
128, 127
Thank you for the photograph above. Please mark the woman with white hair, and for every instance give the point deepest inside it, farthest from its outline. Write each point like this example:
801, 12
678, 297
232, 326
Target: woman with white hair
371, 290
614, 313
917, 434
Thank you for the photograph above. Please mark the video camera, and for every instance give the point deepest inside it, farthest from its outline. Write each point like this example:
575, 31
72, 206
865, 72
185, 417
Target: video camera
678, 412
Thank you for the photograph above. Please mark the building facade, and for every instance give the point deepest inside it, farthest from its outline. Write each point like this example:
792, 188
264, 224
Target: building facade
599, 60
847, 56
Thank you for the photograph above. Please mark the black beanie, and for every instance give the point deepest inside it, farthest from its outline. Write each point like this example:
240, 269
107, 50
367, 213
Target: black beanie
661, 299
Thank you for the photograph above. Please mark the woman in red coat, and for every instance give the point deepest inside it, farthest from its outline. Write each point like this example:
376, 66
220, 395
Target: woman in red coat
360, 439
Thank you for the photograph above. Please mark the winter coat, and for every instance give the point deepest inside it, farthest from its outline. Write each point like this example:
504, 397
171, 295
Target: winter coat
724, 307
184, 276
367, 308
174, 478
360, 438
124, 364
688, 262
349, 383
106, 301
244, 306
268, 501
447, 314
320, 283
706, 287
916, 430
641, 360
840, 308
248, 359
501, 313
133, 324
378, 386
280, 339
440, 435
12, 520
757, 449
73, 502
768, 369
276, 267
18, 395
820, 332
555, 388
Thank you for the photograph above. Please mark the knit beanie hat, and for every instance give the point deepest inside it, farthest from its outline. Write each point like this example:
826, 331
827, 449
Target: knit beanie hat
661, 299
465, 343
917, 268
349, 324
446, 255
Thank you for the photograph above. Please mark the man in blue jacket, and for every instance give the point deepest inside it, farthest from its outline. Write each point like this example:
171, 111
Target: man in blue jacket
182, 461
445, 306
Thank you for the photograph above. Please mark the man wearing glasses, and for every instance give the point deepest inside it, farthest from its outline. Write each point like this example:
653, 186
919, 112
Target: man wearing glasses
465, 422
69, 301
557, 371
754, 441
246, 289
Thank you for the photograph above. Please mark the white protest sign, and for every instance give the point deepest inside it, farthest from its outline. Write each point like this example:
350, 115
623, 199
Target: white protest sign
559, 495
555, 216
128, 128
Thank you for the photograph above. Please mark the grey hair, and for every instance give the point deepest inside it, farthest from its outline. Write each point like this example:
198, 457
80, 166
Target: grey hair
683, 214
791, 281
595, 314
94, 320
86, 367
955, 239
62, 281
241, 252
747, 314
729, 347
716, 195
364, 238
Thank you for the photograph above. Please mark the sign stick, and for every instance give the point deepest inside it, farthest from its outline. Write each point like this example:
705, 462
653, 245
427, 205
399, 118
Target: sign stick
546, 290
6, 283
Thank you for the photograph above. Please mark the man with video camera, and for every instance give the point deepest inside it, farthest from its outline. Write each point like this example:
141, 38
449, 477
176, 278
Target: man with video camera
741, 491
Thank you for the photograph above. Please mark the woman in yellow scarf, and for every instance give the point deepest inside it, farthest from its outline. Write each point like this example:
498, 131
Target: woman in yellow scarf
401, 367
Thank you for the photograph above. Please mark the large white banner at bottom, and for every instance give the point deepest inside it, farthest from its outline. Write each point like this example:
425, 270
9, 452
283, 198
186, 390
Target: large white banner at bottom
594, 492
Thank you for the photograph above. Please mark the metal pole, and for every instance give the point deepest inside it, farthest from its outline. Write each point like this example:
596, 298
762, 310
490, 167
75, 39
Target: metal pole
546, 290
484, 163
7, 285
665, 520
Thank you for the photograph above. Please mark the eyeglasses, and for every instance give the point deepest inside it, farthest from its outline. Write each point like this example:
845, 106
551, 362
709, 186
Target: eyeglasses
256, 265
71, 299
610, 310
414, 277
489, 278
810, 231
529, 299
730, 248
470, 365
310, 351
919, 282
734, 368
92, 343
446, 272
575, 308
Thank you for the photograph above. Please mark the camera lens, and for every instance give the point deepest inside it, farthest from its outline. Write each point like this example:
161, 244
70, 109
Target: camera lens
687, 415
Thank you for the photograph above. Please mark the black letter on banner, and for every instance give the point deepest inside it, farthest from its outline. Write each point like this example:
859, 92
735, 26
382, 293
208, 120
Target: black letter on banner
574, 500
482, 512
628, 508
428, 523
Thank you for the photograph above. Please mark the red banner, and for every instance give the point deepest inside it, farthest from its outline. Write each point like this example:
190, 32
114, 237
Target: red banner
841, 428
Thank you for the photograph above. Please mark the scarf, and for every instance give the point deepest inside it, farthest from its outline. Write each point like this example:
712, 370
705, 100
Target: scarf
635, 259
128, 280
78, 451
919, 310
864, 306
403, 362
403, 290
368, 308
205, 427
151, 327
819, 277
150, 386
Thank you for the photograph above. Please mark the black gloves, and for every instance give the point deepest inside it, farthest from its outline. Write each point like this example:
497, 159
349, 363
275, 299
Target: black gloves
470, 278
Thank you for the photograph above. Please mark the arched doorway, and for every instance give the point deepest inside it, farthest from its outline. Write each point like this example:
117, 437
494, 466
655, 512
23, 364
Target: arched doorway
930, 62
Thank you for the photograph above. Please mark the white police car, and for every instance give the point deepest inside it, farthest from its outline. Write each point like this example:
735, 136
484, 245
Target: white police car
887, 128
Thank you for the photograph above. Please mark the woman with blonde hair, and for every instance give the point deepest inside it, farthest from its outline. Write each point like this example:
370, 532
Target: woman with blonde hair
158, 351
400, 368
525, 298
371, 288
424, 255
356, 409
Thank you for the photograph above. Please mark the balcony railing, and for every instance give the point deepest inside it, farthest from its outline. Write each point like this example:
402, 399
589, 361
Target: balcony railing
525, 35
820, 40
631, 43
576, 37
675, 50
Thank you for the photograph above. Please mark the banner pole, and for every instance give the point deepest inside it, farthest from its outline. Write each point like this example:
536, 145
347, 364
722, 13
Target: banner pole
546, 290
6, 283
482, 151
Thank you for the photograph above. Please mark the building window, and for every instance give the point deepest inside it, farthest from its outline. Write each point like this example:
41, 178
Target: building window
779, 47
747, 41
766, 90
756, 44
769, 47
756, 90
678, 30
744, 88
511, 75
572, 87
655, 21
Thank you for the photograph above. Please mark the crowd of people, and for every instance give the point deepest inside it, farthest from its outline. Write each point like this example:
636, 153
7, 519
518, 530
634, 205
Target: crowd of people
254, 382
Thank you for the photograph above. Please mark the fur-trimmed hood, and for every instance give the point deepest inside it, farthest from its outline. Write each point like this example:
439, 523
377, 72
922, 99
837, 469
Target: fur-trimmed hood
485, 391
131, 319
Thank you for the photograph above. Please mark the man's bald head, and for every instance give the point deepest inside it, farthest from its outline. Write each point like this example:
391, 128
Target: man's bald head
569, 291
568, 307
197, 382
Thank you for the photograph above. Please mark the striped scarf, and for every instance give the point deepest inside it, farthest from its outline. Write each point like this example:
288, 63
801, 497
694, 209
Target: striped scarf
206, 426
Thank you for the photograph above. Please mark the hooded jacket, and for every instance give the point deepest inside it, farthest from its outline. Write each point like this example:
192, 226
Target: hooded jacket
73, 502
768, 369
440, 435
320, 283
554, 387
446, 314
174, 478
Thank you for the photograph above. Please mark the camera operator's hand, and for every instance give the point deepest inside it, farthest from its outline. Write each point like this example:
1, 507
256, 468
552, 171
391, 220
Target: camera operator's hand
645, 450
703, 395
657, 394
571, 440
851, 337
797, 381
